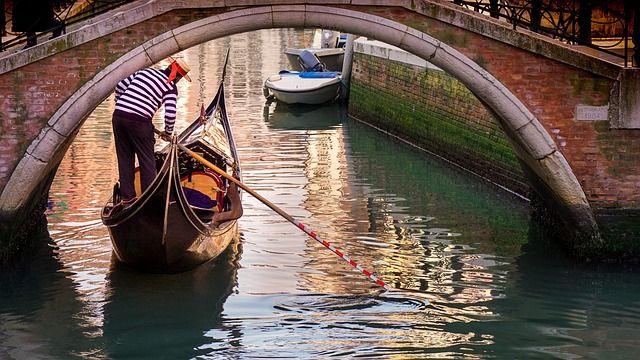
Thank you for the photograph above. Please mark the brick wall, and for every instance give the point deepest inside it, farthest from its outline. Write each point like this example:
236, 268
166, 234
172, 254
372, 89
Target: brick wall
606, 161
436, 112
30, 95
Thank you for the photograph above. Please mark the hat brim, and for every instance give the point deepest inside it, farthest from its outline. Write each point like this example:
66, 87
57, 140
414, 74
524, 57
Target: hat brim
181, 65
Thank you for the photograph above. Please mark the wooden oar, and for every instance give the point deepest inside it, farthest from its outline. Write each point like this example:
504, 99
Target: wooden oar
281, 212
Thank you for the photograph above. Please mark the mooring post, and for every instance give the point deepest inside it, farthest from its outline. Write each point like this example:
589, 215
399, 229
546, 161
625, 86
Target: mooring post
347, 63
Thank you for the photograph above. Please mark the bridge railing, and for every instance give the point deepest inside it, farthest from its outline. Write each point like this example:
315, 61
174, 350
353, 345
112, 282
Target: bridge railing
602, 25
27, 20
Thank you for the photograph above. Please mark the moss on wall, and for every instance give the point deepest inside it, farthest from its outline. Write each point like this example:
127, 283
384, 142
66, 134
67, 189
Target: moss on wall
436, 112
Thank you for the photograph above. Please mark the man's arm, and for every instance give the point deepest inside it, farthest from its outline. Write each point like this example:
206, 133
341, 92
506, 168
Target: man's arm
169, 100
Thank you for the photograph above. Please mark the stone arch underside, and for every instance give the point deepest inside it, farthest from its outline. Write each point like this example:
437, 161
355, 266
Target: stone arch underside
530, 140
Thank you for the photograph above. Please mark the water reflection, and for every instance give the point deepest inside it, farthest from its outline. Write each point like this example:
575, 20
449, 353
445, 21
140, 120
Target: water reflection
422, 226
283, 116
37, 296
169, 314
576, 310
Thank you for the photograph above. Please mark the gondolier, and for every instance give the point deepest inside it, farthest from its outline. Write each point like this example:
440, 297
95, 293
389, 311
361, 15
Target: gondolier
138, 97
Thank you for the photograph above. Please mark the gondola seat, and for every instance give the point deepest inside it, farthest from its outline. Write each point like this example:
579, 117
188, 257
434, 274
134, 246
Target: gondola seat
204, 191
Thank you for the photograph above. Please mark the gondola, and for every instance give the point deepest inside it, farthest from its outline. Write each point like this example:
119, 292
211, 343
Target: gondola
169, 227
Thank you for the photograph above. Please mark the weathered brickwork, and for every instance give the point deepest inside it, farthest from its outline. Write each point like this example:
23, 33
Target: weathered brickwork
30, 95
605, 161
436, 112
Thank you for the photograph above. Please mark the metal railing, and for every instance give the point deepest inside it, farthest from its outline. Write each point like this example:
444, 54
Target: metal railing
63, 13
602, 25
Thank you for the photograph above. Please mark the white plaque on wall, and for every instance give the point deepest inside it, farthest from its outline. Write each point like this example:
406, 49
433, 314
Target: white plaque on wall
592, 113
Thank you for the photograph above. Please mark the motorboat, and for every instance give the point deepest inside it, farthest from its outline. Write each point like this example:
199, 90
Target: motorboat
313, 85
332, 58
330, 54
294, 87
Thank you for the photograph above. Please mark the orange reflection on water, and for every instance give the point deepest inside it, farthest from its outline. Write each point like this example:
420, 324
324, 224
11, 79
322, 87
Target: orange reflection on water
312, 174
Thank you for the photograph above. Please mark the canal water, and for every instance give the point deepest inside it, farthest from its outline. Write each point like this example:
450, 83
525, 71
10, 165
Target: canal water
471, 275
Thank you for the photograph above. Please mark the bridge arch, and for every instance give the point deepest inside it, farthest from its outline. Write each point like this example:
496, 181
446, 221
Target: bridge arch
535, 148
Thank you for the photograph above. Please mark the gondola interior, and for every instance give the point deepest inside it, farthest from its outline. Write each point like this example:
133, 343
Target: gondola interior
204, 190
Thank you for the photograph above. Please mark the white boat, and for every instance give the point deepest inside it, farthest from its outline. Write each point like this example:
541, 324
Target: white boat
314, 85
293, 87
331, 58
331, 54
333, 39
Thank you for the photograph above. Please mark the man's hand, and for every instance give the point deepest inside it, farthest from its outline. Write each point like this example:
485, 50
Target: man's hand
165, 136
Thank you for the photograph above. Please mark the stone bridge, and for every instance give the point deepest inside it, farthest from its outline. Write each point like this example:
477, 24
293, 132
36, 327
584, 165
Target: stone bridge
570, 117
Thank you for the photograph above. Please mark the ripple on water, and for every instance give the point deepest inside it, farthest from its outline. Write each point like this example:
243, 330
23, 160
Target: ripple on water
453, 245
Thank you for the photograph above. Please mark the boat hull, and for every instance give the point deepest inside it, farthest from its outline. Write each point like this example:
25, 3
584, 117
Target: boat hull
160, 232
147, 252
291, 89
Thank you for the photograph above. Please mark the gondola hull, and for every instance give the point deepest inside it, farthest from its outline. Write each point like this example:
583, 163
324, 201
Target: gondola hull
141, 240
149, 254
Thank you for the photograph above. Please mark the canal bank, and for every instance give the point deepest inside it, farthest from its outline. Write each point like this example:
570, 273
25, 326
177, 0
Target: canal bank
409, 98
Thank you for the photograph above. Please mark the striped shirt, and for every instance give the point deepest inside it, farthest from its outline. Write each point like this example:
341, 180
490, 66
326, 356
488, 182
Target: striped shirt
141, 94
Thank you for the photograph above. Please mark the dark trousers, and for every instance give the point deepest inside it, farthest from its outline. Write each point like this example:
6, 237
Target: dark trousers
134, 138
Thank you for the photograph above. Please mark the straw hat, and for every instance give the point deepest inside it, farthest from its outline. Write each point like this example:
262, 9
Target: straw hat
183, 68
178, 66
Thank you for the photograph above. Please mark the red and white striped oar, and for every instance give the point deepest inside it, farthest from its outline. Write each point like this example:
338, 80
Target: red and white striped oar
297, 223
343, 256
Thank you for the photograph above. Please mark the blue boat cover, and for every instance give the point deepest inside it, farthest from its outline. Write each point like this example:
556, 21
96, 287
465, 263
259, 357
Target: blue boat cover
312, 74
